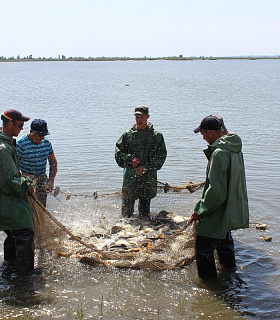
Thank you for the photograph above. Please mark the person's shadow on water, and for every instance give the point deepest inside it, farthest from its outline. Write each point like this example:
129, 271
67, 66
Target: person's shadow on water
247, 289
22, 292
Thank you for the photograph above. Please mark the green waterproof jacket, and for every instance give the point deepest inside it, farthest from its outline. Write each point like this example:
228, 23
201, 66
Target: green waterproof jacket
224, 203
148, 145
14, 207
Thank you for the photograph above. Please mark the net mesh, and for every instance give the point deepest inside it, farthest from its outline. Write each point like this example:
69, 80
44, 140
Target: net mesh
164, 242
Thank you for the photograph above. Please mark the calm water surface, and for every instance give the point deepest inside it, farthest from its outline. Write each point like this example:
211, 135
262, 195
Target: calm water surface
87, 106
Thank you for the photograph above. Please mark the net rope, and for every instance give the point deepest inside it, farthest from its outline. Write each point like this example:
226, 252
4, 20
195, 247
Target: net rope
159, 248
190, 186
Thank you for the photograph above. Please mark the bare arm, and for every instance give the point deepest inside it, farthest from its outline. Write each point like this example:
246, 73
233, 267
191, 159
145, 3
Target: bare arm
53, 171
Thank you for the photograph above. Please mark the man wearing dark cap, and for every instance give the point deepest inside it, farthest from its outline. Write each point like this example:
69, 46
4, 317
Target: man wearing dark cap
15, 216
141, 152
224, 203
34, 150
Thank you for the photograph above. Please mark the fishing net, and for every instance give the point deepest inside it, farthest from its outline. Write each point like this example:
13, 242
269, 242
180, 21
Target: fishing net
163, 241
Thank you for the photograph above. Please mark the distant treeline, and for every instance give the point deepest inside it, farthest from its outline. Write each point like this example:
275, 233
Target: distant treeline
180, 57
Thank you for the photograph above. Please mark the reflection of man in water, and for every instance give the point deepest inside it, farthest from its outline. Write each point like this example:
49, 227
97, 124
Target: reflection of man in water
34, 150
224, 203
141, 152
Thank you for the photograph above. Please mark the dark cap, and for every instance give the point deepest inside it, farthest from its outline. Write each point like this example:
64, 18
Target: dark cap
40, 127
141, 110
12, 114
209, 123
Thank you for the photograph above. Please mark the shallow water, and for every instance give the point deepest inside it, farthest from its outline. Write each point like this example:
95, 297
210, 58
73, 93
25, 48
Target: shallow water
87, 106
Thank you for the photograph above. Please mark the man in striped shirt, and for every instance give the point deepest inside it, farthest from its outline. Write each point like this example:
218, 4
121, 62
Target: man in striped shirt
34, 150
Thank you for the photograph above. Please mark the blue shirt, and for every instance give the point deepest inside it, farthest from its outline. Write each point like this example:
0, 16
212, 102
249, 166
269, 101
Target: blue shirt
33, 157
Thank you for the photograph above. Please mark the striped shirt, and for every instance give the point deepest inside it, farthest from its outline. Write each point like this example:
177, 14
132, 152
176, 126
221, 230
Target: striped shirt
33, 157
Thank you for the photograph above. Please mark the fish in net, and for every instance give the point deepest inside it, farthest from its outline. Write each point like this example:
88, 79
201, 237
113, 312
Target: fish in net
164, 247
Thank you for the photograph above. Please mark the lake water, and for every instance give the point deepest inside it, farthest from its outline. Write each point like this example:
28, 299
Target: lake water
88, 105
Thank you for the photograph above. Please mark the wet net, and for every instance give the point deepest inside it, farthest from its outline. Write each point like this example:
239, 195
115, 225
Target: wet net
163, 241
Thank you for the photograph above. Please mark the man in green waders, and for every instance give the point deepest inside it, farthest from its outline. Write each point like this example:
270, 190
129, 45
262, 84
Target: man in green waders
141, 152
15, 217
224, 203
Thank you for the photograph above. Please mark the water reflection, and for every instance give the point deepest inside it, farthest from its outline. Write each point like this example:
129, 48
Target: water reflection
135, 294
247, 289
24, 292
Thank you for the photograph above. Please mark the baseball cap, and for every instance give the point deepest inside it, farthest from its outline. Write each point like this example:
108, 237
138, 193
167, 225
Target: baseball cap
141, 110
40, 127
209, 123
12, 114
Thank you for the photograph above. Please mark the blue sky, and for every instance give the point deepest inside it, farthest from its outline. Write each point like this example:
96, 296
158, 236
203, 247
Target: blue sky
137, 28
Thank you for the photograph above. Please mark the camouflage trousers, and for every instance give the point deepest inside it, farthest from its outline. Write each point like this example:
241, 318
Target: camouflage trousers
139, 190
